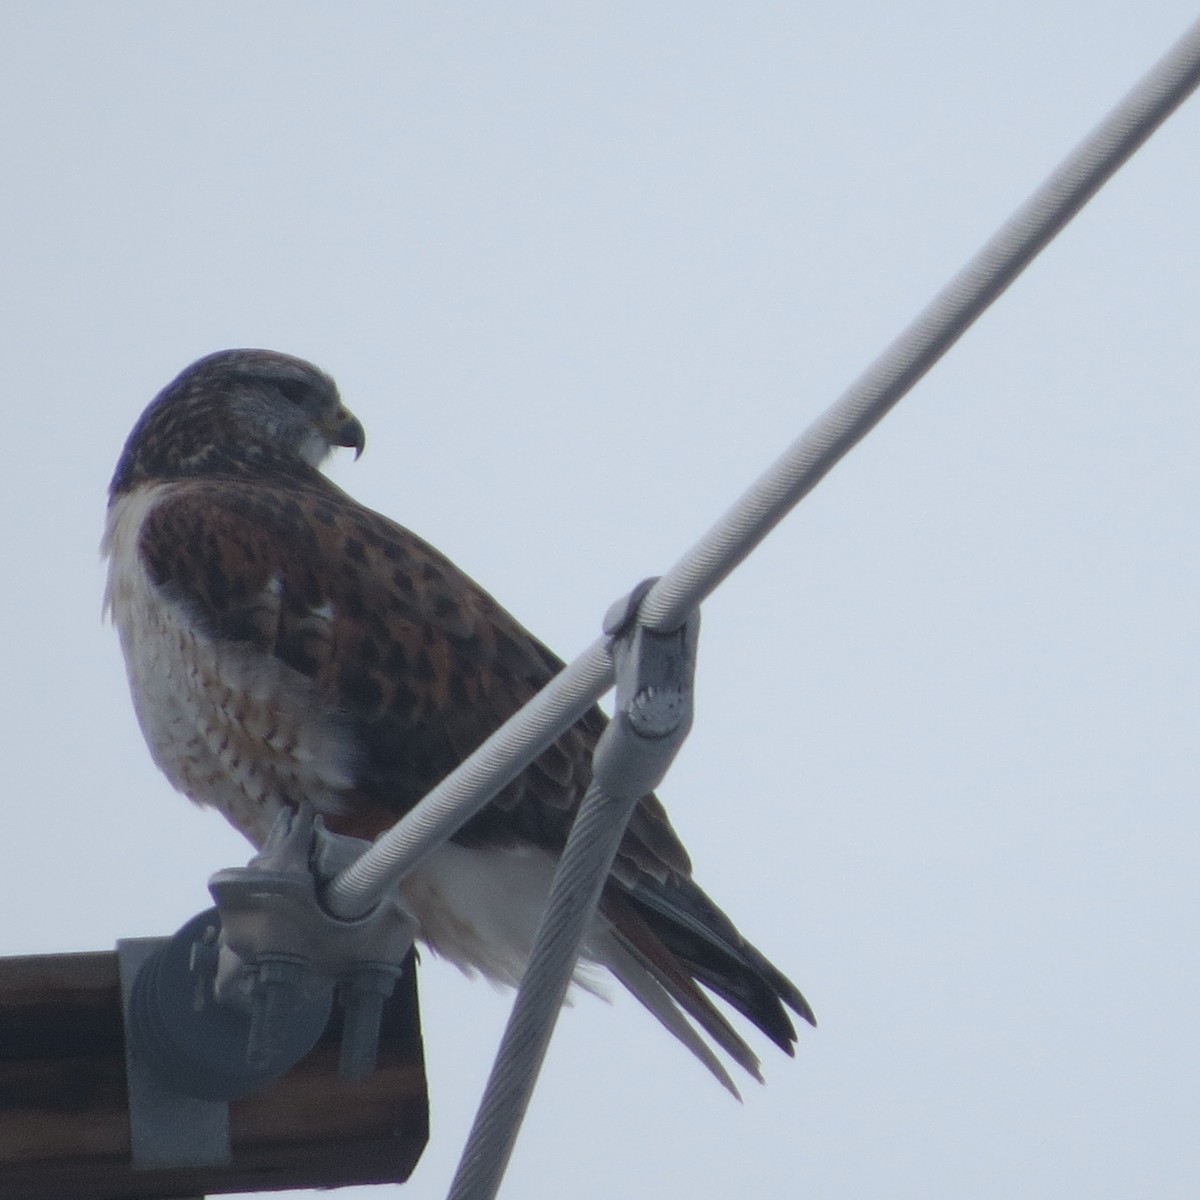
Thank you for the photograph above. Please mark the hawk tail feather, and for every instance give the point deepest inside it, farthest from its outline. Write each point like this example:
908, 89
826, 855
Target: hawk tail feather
677, 936
640, 979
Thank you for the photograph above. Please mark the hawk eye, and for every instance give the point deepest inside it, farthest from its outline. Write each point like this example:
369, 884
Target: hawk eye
295, 390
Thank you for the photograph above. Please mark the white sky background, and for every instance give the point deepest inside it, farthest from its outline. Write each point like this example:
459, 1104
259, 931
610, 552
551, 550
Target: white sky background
583, 271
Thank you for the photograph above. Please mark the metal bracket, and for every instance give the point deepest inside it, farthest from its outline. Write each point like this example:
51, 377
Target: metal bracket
166, 1128
244, 990
278, 942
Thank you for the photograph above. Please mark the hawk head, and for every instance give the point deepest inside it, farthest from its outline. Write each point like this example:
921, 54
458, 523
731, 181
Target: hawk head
238, 412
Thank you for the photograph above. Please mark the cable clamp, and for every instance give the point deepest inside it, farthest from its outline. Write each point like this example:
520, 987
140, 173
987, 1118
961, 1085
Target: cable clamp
279, 946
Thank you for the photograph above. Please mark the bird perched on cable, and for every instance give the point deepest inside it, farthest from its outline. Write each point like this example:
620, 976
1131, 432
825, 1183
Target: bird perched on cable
287, 645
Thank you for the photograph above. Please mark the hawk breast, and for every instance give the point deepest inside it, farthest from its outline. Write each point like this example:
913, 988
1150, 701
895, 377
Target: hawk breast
231, 728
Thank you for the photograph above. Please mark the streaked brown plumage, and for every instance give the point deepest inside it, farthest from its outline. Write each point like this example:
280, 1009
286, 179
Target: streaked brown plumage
286, 645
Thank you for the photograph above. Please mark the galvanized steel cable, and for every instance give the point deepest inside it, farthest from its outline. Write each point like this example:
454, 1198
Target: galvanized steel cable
578, 881
589, 852
507, 752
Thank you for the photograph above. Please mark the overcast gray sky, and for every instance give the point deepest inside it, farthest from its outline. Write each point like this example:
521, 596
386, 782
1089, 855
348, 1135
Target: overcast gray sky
583, 271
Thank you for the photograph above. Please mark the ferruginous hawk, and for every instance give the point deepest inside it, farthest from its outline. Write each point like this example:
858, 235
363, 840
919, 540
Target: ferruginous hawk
284, 644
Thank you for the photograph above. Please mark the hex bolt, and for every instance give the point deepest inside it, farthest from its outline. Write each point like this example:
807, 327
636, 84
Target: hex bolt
276, 985
362, 994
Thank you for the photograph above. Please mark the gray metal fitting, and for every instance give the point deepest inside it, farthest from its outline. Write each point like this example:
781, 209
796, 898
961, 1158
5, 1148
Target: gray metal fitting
654, 685
279, 945
244, 991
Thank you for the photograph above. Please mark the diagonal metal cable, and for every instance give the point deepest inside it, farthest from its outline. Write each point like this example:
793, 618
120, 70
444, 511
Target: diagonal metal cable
597, 830
578, 881
943, 321
655, 677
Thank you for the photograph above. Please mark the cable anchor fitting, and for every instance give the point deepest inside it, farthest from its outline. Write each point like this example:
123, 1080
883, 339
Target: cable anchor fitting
655, 674
244, 991
279, 946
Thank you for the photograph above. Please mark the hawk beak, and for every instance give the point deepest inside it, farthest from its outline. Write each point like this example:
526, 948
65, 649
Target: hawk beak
348, 431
